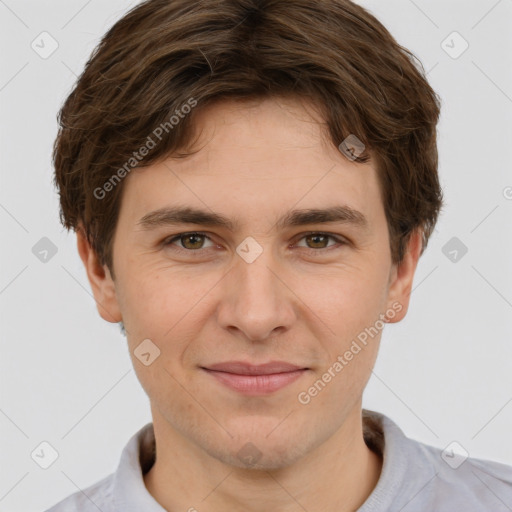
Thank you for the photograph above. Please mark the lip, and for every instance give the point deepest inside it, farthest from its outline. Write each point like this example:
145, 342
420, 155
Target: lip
242, 368
251, 379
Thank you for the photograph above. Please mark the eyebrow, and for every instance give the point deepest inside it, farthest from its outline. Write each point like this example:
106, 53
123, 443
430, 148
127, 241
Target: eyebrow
188, 215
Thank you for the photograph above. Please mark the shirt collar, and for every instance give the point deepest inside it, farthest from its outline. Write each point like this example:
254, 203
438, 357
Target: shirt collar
129, 491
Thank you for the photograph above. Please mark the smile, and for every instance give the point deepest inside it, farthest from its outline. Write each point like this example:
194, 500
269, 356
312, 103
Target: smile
255, 379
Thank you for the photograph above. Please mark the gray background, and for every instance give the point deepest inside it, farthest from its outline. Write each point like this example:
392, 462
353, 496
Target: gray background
66, 378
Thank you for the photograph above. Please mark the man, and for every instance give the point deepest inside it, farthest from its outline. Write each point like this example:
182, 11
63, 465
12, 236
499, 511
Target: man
252, 184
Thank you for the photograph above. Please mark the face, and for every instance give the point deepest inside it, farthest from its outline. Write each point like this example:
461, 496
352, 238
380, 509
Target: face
260, 278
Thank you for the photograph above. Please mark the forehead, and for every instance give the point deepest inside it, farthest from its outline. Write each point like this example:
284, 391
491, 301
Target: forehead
281, 123
255, 157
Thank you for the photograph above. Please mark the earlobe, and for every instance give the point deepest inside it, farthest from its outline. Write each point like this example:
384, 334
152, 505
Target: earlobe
100, 279
402, 278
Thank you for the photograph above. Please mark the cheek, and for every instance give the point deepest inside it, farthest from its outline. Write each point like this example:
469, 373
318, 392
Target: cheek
348, 302
352, 312
158, 294
167, 307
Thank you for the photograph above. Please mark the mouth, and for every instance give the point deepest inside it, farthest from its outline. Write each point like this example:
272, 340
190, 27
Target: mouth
250, 379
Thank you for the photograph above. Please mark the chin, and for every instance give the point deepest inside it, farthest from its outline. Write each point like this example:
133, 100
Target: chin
258, 457
261, 448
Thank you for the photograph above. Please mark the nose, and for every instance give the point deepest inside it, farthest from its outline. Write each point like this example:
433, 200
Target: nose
257, 302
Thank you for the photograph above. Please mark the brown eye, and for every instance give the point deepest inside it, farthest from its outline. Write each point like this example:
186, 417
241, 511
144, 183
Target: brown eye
317, 241
188, 241
192, 241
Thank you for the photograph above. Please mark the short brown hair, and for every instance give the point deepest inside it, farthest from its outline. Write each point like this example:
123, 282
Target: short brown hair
163, 53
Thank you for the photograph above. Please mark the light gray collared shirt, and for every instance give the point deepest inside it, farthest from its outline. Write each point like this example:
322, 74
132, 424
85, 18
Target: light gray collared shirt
415, 477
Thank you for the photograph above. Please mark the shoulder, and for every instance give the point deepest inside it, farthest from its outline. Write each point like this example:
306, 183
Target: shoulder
96, 497
124, 486
419, 477
459, 482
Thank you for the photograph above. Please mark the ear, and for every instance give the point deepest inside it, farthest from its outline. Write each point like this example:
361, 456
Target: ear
401, 278
102, 284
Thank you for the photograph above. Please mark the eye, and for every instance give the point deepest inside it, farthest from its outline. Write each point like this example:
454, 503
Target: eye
318, 241
193, 242
189, 241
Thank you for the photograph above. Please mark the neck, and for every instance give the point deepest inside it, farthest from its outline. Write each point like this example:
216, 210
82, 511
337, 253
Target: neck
338, 475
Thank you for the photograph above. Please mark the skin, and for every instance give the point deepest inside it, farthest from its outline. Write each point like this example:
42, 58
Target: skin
303, 300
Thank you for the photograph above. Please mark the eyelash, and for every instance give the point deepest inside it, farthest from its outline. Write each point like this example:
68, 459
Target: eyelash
197, 252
